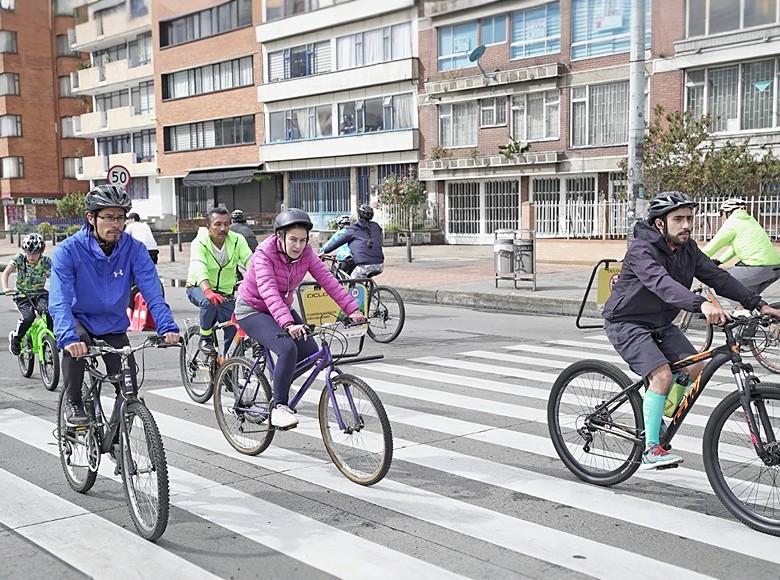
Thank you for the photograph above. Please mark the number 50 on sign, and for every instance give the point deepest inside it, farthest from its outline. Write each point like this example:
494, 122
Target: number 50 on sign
118, 175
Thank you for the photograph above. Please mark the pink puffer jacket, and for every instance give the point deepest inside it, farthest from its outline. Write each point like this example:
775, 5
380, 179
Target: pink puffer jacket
271, 279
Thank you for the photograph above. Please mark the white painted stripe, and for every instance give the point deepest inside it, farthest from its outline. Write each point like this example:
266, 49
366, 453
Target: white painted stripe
304, 539
489, 369
83, 539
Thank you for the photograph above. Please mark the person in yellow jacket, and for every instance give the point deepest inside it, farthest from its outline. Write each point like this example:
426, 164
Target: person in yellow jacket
215, 254
743, 238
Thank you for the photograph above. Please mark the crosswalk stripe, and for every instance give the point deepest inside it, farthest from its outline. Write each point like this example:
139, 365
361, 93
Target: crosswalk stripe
489, 369
703, 528
49, 522
299, 537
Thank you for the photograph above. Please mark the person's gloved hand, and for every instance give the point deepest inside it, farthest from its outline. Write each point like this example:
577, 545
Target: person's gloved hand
213, 297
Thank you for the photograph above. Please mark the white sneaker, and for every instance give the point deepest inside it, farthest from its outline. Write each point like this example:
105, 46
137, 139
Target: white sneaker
283, 417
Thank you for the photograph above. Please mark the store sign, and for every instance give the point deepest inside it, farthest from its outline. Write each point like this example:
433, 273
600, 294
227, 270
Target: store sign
38, 200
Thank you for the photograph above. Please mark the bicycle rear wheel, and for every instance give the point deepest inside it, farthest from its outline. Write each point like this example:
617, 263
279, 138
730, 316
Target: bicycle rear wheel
249, 432
748, 487
363, 450
196, 373
144, 471
600, 445
79, 453
697, 331
50, 363
386, 314
765, 345
26, 357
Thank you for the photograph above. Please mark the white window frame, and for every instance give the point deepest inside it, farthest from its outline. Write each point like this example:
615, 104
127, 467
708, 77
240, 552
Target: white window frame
493, 107
614, 38
586, 100
741, 20
17, 123
73, 163
19, 170
493, 19
446, 112
456, 54
546, 106
547, 38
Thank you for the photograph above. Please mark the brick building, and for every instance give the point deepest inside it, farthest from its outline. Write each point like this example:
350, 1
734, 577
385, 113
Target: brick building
38, 148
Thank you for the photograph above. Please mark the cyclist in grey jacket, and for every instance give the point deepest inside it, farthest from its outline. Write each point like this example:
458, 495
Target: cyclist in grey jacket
365, 242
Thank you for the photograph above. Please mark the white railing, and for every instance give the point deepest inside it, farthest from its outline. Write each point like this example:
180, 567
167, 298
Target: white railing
396, 218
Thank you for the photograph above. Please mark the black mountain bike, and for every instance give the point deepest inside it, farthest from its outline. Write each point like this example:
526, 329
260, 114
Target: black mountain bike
596, 424
129, 435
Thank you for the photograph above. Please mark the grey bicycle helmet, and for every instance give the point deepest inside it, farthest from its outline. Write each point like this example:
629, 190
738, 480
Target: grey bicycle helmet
292, 217
33, 243
366, 212
104, 196
343, 221
733, 203
237, 216
668, 201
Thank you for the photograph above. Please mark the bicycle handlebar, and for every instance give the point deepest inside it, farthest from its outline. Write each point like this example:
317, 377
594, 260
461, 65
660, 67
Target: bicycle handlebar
320, 328
738, 321
101, 348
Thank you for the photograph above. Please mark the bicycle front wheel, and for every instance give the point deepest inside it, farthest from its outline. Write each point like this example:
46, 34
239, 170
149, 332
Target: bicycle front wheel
386, 314
363, 448
50, 363
748, 487
26, 358
242, 404
144, 471
196, 371
600, 444
77, 452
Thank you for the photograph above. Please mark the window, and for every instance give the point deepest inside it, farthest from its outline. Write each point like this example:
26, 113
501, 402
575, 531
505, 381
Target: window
69, 166
205, 23
455, 43
66, 7
9, 84
374, 46
536, 116
210, 134
140, 50
10, 126
63, 46
113, 145
7, 4
305, 123
715, 16
599, 114
145, 145
492, 112
108, 101
67, 127
138, 8
210, 78
11, 167
536, 31
138, 188
389, 113
493, 29
142, 98
111, 54
66, 90
458, 125
7, 41
602, 27
276, 9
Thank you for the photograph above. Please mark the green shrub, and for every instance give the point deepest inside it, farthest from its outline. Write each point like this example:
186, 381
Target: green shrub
46, 229
70, 230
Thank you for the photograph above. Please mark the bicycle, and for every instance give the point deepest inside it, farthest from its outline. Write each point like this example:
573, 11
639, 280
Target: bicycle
198, 369
130, 435
39, 342
595, 420
353, 422
386, 313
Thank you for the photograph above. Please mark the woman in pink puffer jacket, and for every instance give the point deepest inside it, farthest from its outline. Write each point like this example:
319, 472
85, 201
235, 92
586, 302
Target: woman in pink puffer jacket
276, 268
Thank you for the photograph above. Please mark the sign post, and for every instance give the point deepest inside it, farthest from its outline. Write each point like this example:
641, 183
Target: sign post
118, 175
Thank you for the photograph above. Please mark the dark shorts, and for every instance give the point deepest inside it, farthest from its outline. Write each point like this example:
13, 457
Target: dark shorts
646, 349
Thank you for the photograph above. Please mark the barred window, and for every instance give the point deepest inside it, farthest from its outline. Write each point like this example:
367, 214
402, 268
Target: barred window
599, 114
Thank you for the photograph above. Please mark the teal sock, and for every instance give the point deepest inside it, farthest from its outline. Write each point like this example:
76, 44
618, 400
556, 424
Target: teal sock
653, 410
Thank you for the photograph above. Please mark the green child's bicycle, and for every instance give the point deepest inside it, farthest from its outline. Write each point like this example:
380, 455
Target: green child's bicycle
39, 342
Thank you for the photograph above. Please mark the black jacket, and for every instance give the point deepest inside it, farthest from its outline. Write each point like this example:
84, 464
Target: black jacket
243, 229
654, 284
365, 243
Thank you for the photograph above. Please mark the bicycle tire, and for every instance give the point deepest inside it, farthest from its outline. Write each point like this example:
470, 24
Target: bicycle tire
199, 391
736, 434
149, 511
378, 461
767, 350
620, 457
77, 472
235, 425
683, 322
26, 357
379, 314
50, 365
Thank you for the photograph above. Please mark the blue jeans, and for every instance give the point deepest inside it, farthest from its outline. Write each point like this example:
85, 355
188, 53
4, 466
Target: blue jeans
210, 314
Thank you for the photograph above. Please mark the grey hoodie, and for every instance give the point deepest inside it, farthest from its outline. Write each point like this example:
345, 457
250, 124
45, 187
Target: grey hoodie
654, 284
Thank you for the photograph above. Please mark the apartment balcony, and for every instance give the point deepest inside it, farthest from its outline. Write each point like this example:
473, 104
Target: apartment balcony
327, 17
343, 80
97, 166
113, 122
379, 142
112, 76
115, 28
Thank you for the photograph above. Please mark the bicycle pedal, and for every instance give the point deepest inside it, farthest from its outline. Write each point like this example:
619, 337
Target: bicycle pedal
670, 466
290, 428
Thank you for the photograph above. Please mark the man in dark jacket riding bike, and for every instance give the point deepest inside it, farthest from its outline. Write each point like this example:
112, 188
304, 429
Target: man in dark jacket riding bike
653, 286
365, 243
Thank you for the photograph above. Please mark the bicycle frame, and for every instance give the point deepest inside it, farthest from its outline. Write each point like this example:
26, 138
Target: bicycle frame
38, 329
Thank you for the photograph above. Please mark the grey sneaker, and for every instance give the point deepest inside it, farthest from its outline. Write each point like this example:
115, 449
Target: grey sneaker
75, 415
656, 456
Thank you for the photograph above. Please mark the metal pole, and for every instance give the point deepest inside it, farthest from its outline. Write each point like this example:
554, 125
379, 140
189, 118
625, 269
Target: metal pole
178, 234
170, 245
636, 119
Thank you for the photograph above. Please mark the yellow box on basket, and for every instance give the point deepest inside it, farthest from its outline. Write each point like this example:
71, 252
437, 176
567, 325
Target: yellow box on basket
319, 308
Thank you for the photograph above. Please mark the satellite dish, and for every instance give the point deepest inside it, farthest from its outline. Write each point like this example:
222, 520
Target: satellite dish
477, 53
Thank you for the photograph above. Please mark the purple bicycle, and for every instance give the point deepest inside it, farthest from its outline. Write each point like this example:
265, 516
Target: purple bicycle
353, 422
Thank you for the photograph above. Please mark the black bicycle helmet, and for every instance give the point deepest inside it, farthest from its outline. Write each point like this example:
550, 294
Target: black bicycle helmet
292, 217
237, 216
343, 221
366, 212
668, 201
33, 243
104, 196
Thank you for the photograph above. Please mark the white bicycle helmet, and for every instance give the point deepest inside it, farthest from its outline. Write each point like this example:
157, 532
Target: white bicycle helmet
733, 203
33, 243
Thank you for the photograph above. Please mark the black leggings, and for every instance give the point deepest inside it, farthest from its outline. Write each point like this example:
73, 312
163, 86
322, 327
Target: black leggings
27, 312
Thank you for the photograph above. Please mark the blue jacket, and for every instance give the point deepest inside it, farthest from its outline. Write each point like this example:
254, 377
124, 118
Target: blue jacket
365, 243
342, 252
94, 289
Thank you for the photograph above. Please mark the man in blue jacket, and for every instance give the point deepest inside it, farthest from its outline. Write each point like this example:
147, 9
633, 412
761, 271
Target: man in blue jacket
653, 286
92, 272
365, 243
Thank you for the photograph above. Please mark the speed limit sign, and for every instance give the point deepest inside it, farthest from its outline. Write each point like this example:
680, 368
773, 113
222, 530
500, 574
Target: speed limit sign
118, 175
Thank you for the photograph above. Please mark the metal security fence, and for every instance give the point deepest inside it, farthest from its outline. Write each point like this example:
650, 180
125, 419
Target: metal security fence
396, 218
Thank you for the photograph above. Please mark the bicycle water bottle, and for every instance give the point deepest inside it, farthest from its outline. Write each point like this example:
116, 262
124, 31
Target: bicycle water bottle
676, 393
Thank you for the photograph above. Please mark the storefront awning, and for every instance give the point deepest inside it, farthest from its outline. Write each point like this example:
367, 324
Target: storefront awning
222, 177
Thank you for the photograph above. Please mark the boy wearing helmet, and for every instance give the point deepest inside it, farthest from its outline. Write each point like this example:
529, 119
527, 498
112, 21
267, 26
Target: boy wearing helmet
365, 240
743, 238
263, 306
343, 254
653, 286
32, 268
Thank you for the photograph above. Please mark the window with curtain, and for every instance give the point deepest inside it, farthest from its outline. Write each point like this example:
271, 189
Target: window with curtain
140, 50
492, 112
536, 116
66, 127
374, 46
210, 134
7, 41
455, 42
600, 114
10, 126
707, 17
66, 90
492, 29
458, 124
210, 78
69, 165
11, 167
145, 145
115, 145
7, 4
63, 46
205, 23
142, 98
601, 27
9, 84
276, 9
536, 31
108, 101
66, 7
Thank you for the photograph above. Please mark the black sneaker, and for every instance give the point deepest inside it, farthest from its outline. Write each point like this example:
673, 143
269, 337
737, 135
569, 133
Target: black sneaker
206, 345
14, 344
75, 415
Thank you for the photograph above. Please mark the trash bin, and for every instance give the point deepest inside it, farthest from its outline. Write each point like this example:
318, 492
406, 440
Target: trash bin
504, 252
524, 256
